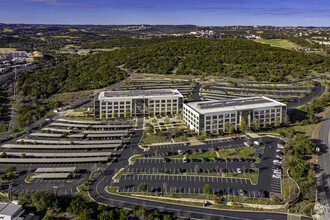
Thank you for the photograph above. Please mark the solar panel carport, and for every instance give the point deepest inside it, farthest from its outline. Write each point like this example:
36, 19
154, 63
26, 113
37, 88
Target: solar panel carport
104, 135
56, 130
61, 147
55, 170
45, 135
54, 160
106, 132
59, 142
51, 176
62, 155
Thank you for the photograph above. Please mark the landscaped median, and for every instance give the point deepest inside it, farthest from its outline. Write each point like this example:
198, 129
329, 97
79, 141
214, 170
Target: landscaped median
243, 152
118, 174
133, 158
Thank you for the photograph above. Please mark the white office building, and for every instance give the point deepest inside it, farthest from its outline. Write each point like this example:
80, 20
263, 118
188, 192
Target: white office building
112, 104
211, 116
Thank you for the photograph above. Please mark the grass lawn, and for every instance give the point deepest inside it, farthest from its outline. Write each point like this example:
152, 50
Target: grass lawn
283, 43
209, 154
118, 174
154, 139
244, 152
83, 192
133, 158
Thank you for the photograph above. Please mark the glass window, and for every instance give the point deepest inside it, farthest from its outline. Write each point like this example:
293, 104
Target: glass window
232, 115
214, 117
208, 118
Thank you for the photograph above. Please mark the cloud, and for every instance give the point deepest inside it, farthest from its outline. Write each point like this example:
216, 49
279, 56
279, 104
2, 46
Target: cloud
90, 5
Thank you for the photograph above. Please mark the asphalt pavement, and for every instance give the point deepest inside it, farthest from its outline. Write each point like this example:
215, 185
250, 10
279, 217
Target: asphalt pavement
323, 181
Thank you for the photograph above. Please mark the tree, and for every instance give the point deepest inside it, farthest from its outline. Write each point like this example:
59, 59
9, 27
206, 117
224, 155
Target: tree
156, 152
3, 155
302, 144
150, 129
143, 187
207, 189
115, 114
128, 113
229, 127
135, 209
10, 169
151, 112
23, 156
256, 125
243, 125
277, 122
298, 168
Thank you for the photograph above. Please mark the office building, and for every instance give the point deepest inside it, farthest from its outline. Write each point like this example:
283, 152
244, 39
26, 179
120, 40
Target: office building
113, 104
211, 116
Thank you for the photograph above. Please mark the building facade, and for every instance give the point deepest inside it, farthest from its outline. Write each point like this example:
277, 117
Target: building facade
215, 116
113, 104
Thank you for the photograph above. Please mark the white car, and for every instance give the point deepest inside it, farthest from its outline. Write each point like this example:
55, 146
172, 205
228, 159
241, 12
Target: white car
246, 144
279, 157
256, 143
281, 146
239, 170
277, 162
277, 176
277, 171
278, 150
184, 159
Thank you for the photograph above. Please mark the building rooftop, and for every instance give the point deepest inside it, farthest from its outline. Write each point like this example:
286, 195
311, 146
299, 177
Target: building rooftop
153, 93
9, 209
233, 104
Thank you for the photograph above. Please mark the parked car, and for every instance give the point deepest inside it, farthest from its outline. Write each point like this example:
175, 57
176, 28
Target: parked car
277, 176
246, 144
239, 170
277, 162
180, 152
256, 143
184, 159
241, 192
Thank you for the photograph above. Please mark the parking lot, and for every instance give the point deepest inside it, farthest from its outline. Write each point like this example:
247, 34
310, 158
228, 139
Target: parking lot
165, 149
176, 173
178, 166
195, 184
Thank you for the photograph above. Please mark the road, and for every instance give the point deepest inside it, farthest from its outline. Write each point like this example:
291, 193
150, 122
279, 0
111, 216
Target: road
324, 162
97, 193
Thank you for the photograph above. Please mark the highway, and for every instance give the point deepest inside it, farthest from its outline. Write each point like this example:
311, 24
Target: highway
323, 182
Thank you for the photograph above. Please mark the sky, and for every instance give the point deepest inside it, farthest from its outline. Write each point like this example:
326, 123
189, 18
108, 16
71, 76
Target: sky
197, 12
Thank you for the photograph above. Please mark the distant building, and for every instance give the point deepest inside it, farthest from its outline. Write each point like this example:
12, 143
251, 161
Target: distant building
211, 116
10, 211
11, 55
112, 104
